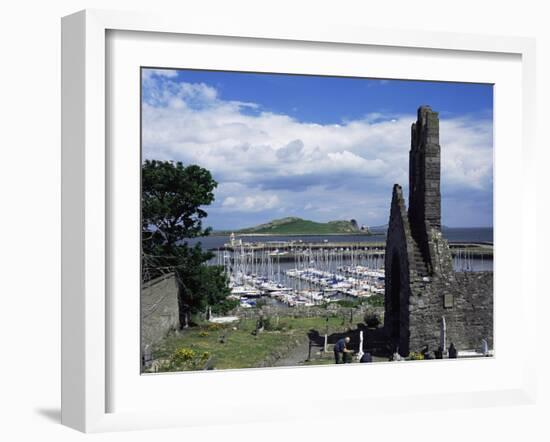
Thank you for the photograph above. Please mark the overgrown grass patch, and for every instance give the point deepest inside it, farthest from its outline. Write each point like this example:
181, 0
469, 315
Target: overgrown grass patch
236, 346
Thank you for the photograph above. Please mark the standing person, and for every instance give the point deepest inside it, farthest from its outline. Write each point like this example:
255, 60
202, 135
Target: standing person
340, 350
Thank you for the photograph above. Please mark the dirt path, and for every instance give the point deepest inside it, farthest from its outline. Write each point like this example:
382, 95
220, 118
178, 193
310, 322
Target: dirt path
296, 356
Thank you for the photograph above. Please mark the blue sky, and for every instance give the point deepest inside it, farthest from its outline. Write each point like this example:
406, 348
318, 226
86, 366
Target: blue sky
322, 148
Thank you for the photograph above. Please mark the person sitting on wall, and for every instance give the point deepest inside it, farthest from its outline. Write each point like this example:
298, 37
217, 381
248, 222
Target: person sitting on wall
342, 354
452, 351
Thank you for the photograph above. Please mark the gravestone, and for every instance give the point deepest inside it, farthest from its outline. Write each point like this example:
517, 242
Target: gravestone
443, 333
360, 353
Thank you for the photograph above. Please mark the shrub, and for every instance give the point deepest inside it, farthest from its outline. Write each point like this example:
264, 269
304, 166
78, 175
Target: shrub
376, 300
267, 323
414, 356
203, 334
372, 320
348, 303
225, 306
261, 303
185, 359
272, 324
213, 326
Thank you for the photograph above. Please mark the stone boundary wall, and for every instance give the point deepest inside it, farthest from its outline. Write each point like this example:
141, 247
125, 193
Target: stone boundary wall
307, 312
159, 309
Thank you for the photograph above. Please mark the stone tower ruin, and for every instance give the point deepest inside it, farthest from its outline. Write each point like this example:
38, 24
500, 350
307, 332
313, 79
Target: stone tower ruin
422, 290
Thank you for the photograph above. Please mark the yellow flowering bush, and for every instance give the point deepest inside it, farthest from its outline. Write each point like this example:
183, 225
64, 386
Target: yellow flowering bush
414, 356
213, 326
185, 359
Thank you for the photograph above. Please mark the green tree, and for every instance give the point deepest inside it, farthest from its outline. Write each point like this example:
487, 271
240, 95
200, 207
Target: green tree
202, 287
173, 197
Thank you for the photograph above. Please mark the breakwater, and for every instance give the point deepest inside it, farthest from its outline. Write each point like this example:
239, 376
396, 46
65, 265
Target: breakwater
291, 250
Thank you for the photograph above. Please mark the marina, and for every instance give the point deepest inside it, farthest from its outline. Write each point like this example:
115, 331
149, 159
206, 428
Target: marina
297, 273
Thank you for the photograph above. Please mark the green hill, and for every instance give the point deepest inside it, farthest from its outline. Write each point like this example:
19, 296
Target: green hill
298, 226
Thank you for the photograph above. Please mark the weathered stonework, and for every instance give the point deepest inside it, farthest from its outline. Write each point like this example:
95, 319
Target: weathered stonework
469, 318
332, 310
421, 286
159, 310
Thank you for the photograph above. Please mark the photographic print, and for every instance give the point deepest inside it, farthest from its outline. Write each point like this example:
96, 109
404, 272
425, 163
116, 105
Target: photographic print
292, 220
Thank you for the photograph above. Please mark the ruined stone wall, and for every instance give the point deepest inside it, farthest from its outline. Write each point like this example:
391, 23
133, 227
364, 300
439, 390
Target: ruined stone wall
424, 180
421, 286
466, 302
425, 171
332, 310
400, 253
159, 309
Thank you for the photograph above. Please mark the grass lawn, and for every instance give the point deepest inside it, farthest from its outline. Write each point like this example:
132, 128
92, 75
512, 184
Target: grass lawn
241, 349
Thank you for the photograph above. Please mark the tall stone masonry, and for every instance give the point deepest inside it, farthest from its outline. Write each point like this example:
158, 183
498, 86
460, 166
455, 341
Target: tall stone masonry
425, 171
425, 190
418, 260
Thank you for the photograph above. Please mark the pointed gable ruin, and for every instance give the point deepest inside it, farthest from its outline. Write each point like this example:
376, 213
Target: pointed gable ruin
422, 290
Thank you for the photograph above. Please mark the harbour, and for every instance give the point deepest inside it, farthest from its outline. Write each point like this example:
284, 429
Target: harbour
313, 271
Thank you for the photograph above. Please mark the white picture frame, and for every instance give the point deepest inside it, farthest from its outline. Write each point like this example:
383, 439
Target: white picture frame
86, 204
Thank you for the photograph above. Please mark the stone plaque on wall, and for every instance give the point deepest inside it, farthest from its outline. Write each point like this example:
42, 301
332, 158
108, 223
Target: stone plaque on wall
448, 301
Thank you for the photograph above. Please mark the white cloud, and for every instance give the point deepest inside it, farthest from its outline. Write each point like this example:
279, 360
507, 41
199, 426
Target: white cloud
275, 161
169, 73
251, 203
467, 153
